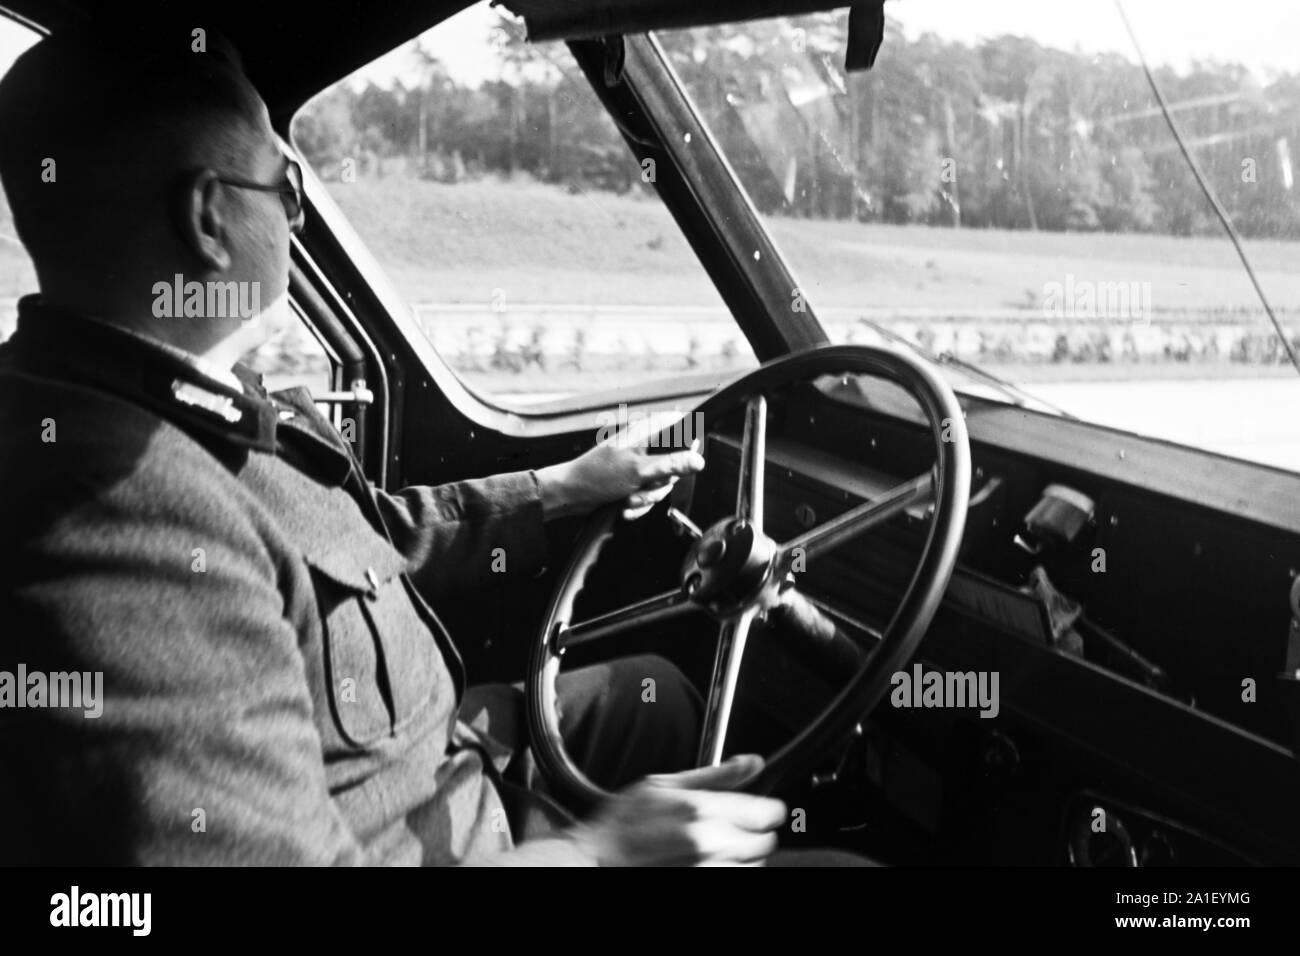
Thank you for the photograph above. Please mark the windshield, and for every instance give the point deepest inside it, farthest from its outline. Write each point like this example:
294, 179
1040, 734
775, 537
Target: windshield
1002, 188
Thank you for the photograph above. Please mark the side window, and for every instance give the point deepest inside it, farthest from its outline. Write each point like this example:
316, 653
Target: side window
491, 184
294, 357
17, 277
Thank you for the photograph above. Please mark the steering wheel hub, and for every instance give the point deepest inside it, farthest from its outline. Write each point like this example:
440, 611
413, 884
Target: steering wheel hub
729, 566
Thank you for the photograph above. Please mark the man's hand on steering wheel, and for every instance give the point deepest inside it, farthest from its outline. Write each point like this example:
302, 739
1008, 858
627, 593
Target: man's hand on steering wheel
684, 819
620, 469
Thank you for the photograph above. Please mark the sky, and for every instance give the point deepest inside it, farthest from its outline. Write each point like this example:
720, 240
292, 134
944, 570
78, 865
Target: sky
1262, 34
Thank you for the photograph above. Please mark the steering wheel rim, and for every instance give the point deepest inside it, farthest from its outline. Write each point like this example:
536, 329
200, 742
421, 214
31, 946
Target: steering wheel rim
732, 595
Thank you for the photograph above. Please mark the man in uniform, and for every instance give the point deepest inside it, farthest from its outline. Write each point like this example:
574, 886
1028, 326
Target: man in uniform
276, 687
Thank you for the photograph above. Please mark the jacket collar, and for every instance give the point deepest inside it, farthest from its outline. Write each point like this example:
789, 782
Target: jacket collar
145, 373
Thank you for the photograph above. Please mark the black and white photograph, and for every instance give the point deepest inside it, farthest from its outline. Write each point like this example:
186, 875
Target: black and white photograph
652, 434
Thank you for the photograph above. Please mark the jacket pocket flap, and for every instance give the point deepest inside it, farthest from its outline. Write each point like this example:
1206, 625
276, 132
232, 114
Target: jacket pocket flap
361, 564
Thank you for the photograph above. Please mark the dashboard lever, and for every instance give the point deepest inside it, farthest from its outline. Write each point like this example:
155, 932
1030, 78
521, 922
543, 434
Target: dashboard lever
1027, 546
832, 647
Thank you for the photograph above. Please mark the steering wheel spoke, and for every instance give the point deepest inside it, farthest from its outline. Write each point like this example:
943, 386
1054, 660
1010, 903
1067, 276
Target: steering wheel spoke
753, 458
722, 687
859, 520
660, 607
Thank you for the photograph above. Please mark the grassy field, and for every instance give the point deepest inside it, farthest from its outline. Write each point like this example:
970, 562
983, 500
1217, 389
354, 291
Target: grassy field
525, 242
539, 243
543, 244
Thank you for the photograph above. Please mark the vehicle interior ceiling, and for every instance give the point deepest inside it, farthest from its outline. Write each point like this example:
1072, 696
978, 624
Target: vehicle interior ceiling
1170, 568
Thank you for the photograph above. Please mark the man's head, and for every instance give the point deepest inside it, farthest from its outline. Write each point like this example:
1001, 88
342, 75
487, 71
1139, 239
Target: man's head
119, 156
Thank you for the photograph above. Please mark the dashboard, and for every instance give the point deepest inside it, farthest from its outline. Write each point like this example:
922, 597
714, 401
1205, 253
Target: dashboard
1125, 735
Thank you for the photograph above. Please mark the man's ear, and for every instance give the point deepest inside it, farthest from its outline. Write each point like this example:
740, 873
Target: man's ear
201, 217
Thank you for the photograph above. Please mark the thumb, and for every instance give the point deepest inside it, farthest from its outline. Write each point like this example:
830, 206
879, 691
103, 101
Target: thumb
732, 774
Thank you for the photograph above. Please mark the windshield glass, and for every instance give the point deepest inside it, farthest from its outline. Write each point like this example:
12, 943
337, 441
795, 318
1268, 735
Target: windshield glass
497, 193
1002, 187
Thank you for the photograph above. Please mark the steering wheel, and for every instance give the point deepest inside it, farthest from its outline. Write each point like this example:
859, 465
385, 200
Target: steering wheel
736, 574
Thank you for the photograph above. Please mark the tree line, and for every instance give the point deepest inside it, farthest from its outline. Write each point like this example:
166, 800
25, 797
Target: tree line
1005, 133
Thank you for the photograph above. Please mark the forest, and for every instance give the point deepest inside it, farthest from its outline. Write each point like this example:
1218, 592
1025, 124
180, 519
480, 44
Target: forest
1004, 134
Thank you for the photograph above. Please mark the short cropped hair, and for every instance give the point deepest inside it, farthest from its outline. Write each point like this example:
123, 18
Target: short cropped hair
113, 111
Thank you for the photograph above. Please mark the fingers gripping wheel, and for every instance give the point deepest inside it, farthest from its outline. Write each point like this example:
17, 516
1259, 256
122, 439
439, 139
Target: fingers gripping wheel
735, 573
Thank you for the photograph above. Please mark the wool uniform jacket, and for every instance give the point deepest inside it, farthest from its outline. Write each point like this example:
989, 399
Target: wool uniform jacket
276, 688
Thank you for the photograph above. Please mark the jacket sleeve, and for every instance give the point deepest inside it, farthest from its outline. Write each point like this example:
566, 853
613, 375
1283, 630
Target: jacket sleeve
460, 535
204, 750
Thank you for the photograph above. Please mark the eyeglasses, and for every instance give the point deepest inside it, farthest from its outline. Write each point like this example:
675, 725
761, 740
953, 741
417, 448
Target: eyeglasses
290, 193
